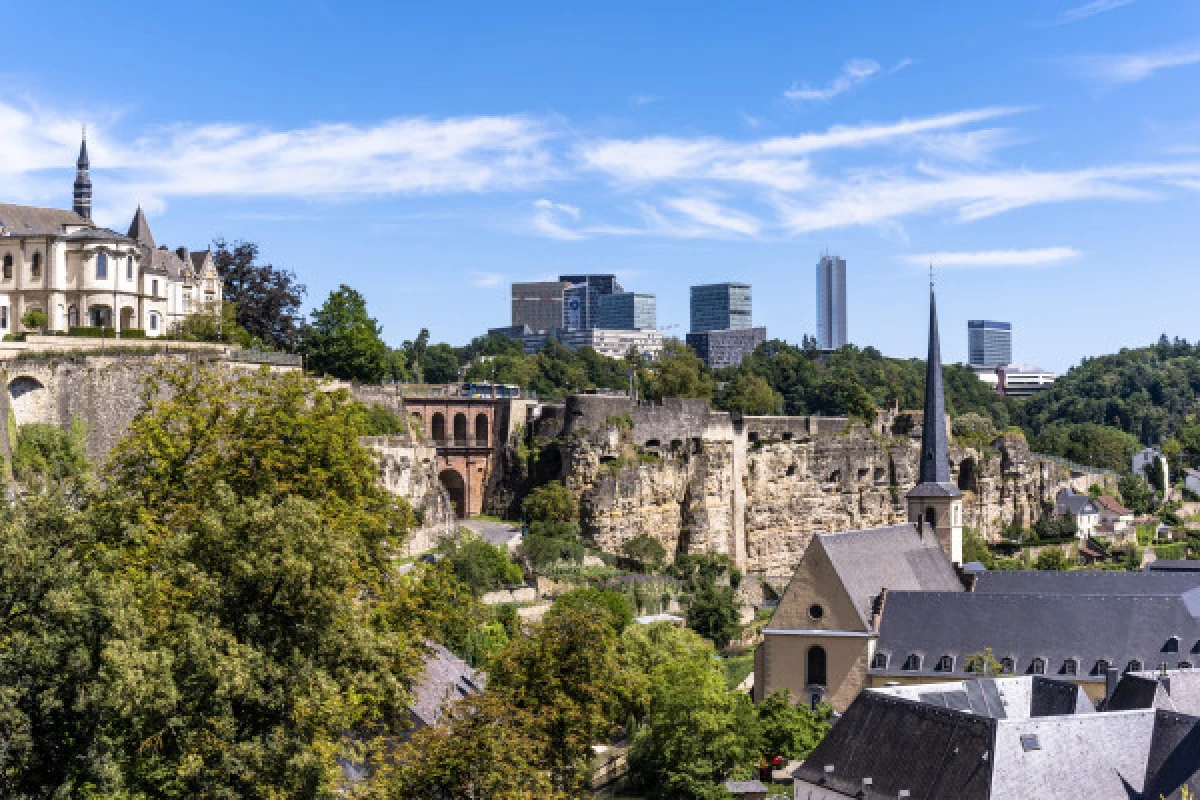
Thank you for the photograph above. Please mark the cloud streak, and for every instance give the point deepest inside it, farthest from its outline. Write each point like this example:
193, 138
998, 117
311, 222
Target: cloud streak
1041, 258
854, 73
1128, 68
1092, 9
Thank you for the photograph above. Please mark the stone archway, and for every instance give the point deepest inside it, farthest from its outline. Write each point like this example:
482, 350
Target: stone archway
460, 428
27, 398
100, 316
967, 472
457, 489
438, 427
481, 430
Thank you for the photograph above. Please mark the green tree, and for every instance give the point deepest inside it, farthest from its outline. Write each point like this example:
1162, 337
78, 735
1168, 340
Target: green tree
749, 394
644, 549
344, 341
696, 731
975, 548
572, 678
974, 430
842, 395
589, 599
1051, 558
679, 372
479, 565
984, 663
1135, 493
788, 730
266, 299
553, 502
440, 364
35, 320
485, 749
47, 453
713, 613
213, 325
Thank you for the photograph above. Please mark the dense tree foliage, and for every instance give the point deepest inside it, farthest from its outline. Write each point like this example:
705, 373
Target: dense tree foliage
344, 340
266, 299
1088, 443
48, 454
478, 564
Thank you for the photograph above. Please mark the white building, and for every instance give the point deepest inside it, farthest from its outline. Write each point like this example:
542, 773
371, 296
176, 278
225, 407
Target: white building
1143, 462
1015, 380
615, 343
1191, 480
79, 274
1081, 507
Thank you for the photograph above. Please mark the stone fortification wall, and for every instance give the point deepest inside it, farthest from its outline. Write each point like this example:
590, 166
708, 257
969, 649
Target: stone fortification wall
408, 469
758, 488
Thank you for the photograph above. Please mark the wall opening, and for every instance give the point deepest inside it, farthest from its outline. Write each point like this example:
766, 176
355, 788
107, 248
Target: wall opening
460, 428
457, 490
967, 475
27, 397
481, 430
438, 428
815, 666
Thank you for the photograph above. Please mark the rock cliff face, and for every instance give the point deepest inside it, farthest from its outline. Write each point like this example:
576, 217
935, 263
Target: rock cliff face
407, 470
758, 489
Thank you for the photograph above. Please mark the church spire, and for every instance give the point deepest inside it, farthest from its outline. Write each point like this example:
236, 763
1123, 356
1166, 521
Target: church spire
935, 456
83, 182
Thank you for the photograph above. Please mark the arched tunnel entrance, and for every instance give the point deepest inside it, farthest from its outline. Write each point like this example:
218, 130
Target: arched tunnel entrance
457, 489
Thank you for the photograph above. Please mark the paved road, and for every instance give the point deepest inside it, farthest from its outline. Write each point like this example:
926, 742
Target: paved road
494, 532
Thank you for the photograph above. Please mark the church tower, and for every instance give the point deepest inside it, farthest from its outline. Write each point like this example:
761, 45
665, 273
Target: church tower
935, 503
83, 182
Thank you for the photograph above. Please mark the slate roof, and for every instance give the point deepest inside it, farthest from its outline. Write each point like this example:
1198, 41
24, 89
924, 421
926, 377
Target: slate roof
1174, 565
446, 678
745, 787
35, 221
1174, 758
1097, 582
1075, 503
894, 557
900, 744
139, 230
1021, 697
1180, 692
1056, 628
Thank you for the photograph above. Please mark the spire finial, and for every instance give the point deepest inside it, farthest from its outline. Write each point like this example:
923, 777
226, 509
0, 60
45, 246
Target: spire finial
930, 274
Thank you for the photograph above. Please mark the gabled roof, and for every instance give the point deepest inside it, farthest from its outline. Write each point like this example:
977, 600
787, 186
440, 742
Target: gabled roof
35, 221
895, 558
1116, 628
446, 678
1088, 582
1174, 758
1076, 503
1109, 503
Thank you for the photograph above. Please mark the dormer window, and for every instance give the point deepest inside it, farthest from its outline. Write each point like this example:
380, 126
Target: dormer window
1007, 666
1184, 665
8, 267
879, 661
1172, 645
35, 268
1100, 668
912, 663
945, 664
1070, 667
1134, 666
1037, 666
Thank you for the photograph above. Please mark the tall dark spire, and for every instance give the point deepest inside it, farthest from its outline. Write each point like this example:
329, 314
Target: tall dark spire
83, 182
935, 444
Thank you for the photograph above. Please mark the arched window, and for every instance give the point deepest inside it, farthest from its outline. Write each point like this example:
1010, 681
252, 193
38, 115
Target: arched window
153, 321
1070, 667
481, 429
1134, 666
8, 266
439, 427
1037, 667
460, 428
35, 268
816, 666
101, 266
128, 268
1007, 666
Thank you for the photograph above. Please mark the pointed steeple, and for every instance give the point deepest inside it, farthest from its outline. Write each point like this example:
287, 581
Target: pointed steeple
139, 230
83, 182
935, 445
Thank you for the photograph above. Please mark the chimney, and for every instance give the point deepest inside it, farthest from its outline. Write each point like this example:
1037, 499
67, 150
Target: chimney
1111, 677
877, 608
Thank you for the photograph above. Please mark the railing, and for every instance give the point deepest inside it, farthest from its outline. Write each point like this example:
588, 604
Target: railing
265, 357
1074, 466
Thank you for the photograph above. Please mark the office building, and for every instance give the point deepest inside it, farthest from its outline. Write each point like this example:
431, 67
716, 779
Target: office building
726, 348
831, 302
627, 311
538, 305
1015, 380
615, 343
720, 306
581, 301
989, 343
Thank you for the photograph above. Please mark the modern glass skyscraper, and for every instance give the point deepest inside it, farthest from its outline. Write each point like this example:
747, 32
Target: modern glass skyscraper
581, 302
627, 311
538, 305
989, 343
831, 302
720, 307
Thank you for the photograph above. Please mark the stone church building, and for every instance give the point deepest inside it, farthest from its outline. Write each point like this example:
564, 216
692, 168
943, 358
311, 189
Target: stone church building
80, 274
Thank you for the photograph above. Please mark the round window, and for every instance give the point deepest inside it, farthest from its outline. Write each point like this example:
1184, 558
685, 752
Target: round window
815, 611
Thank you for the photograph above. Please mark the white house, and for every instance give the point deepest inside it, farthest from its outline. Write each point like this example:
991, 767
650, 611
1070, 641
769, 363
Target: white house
1113, 513
1081, 507
1191, 480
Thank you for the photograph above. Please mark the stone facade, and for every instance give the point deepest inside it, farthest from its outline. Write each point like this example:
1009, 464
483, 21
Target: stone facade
407, 468
758, 488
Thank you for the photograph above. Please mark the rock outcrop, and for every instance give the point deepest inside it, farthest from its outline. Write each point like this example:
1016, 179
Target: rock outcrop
758, 488
408, 470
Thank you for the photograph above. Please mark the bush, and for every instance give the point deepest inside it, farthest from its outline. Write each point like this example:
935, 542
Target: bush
713, 613
35, 319
14, 337
47, 452
92, 331
645, 550
550, 503
613, 604
549, 543
133, 333
479, 565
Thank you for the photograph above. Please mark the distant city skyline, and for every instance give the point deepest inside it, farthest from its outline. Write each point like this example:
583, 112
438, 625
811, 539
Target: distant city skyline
1031, 152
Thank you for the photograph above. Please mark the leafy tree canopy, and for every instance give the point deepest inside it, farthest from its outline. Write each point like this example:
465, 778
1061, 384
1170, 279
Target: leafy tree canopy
344, 340
267, 299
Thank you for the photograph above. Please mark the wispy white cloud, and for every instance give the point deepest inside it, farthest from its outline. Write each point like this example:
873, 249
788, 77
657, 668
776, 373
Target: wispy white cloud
1089, 10
1040, 258
1134, 67
554, 219
486, 280
854, 73
643, 99
712, 215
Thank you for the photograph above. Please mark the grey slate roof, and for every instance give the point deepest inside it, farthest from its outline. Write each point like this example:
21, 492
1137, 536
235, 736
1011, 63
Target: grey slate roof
446, 678
894, 557
1102, 582
1075, 503
139, 230
745, 787
1053, 627
1174, 565
34, 221
1174, 758
1180, 692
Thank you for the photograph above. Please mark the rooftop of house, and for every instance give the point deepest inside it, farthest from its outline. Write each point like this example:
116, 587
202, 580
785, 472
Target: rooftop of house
1066, 634
1110, 504
1174, 565
1045, 742
445, 678
868, 561
18, 220
1076, 504
1089, 582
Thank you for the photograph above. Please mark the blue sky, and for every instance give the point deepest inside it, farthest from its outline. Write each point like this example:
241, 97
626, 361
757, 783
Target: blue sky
1046, 155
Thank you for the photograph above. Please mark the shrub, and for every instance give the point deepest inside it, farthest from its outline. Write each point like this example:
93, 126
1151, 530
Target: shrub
92, 331
550, 503
479, 565
133, 333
